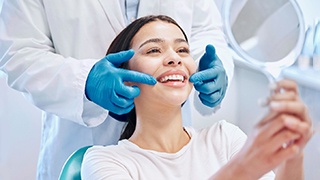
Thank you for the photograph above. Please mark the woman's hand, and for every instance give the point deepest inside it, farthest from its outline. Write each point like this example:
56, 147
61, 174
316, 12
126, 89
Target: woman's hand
277, 139
286, 100
293, 167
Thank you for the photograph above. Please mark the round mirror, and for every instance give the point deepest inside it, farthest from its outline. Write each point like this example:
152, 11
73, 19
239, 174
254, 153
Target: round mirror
269, 34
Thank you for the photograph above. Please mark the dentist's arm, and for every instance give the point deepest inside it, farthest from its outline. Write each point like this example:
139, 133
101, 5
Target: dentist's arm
50, 81
207, 28
49, 74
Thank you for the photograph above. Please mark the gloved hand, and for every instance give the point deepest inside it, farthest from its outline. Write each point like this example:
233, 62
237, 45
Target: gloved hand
211, 81
105, 83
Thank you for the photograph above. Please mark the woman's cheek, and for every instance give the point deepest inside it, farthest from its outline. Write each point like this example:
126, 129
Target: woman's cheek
193, 68
148, 66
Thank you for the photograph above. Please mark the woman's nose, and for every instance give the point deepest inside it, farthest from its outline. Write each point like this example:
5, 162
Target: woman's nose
173, 59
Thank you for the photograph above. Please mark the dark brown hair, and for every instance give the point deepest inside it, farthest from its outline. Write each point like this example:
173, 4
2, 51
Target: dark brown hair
123, 42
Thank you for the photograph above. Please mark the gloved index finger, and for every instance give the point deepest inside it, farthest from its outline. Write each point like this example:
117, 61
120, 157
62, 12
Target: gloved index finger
210, 50
207, 59
138, 77
118, 58
203, 76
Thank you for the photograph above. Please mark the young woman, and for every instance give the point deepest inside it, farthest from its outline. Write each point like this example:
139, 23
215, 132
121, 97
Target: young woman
155, 145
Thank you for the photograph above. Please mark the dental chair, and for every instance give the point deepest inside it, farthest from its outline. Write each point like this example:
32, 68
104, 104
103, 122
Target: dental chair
71, 170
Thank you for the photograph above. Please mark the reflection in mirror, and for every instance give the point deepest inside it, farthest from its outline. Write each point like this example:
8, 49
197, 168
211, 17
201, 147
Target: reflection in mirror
269, 21
266, 33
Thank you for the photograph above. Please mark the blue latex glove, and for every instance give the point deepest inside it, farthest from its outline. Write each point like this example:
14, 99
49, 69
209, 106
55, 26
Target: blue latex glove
105, 83
211, 81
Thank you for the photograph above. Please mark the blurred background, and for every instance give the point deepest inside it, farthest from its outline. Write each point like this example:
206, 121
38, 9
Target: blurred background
20, 122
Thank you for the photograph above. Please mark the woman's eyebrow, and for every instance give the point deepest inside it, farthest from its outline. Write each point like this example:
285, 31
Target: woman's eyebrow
179, 40
153, 40
159, 40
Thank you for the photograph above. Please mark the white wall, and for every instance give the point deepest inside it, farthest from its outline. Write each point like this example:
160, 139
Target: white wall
19, 135
20, 126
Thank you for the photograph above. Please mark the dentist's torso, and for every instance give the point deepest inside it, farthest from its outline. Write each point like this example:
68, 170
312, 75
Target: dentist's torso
85, 30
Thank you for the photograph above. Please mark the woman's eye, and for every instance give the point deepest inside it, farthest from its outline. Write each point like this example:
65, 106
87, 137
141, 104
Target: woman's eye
153, 50
184, 50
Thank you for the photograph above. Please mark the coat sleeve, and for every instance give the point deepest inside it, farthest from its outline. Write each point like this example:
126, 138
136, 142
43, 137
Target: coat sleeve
207, 28
53, 83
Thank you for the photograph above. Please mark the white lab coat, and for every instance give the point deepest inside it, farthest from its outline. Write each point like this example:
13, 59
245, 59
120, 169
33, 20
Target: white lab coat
48, 48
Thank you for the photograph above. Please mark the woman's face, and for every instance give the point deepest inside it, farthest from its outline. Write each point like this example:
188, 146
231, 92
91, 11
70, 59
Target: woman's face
162, 51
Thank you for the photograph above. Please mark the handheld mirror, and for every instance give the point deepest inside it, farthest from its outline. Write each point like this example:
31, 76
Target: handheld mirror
268, 34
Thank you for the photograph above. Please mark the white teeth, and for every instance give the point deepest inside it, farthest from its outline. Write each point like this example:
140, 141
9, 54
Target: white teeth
175, 77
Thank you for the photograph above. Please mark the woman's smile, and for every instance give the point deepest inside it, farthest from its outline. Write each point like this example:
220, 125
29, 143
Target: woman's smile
173, 78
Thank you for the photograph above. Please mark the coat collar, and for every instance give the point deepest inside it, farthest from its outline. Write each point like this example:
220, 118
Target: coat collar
157, 7
114, 14
147, 8
112, 9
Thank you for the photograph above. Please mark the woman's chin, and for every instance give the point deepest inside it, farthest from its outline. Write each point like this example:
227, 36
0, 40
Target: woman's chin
175, 99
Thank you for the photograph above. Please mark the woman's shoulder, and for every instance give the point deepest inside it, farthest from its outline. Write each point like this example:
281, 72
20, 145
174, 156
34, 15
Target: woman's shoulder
224, 125
100, 148
107, 159
221, 126
221, 130
109, 151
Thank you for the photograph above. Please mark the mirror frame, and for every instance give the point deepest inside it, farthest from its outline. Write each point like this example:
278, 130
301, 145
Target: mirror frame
288, 60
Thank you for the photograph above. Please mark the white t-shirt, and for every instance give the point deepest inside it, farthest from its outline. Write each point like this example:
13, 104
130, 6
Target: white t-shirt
208, 150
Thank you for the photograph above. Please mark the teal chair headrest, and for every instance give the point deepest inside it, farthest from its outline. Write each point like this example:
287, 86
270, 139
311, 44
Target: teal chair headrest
71, 170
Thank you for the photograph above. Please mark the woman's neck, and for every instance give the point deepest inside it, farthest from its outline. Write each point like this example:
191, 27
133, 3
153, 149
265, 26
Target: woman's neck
160, 129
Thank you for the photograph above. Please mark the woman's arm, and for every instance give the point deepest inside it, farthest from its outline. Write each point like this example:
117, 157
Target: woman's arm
293, 168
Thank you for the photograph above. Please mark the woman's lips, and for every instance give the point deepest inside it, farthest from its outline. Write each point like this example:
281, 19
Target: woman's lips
173, 78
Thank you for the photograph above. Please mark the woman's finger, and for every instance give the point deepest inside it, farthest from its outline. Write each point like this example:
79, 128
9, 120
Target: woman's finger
290, 107
269, 129
283, 139
284, 154
287, 85
286, 96
303, 128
